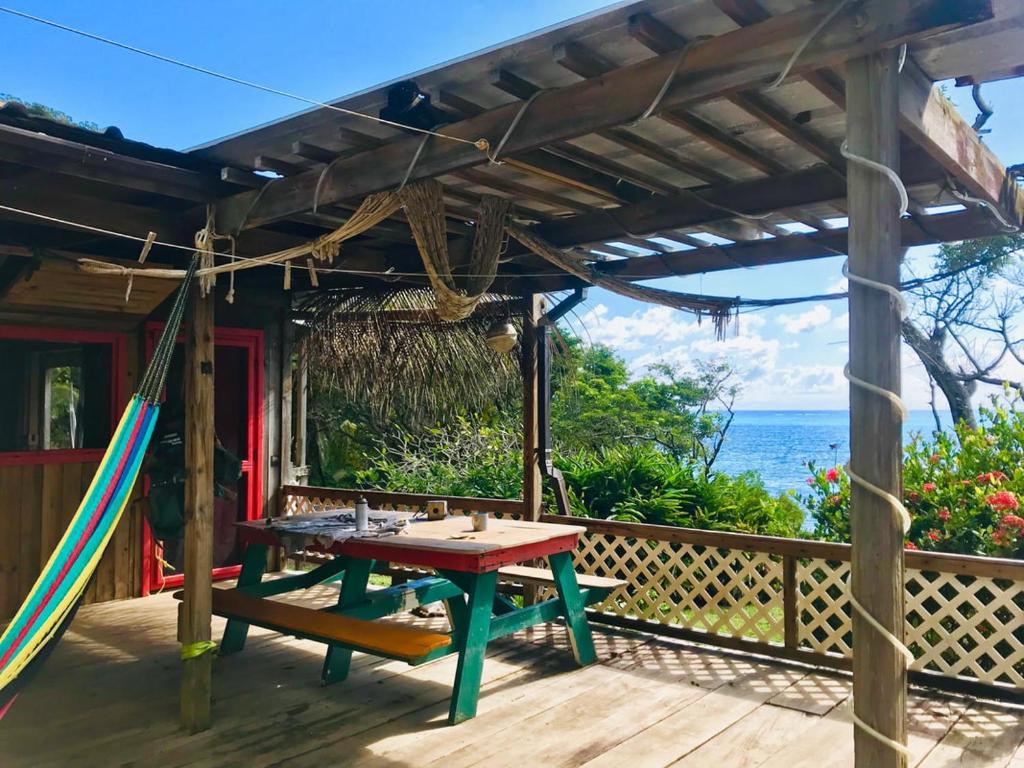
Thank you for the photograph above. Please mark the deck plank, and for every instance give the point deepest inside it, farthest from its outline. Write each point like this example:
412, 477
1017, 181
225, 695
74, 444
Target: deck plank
108, 697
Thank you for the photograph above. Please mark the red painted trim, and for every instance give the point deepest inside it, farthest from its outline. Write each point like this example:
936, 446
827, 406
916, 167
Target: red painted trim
251, 340
118, 389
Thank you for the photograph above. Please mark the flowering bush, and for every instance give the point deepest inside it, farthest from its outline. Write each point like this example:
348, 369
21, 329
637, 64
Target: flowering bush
963, 489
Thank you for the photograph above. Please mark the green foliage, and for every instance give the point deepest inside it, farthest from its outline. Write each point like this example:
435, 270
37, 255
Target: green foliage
596, 404
643, 484
962, 489
461, 458
35, 109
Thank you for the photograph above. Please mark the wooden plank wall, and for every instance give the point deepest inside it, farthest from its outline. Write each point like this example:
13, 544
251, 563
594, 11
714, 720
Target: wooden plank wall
36, 504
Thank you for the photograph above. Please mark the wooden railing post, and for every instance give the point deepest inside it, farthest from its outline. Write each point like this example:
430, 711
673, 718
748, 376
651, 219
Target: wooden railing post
876, 446
197, 609
790, 602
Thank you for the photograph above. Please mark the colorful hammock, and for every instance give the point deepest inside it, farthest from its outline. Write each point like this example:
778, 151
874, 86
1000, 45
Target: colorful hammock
54, 599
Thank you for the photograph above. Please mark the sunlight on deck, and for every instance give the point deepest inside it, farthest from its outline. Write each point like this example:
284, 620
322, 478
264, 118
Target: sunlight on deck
109, 697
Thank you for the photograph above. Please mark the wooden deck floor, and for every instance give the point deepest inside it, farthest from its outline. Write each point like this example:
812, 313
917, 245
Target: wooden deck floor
108, 697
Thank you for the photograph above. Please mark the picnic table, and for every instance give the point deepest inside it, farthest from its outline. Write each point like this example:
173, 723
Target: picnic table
466, 563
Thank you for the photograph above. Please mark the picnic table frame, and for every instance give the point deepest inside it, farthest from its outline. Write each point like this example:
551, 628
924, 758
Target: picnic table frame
466, 581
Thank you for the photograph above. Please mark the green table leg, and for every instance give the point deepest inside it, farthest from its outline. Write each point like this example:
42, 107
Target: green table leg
471, 637
353, 591
580, 638
254, 563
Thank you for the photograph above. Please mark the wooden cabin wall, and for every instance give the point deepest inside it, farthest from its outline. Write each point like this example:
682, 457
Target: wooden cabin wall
37, 501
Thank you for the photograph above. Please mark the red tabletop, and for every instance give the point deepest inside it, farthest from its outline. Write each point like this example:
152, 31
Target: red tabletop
449, 544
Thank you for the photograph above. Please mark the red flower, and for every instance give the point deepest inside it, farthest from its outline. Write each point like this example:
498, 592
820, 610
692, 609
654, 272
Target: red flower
1003, 501
934, 535
928, 487
1012, 521
914, 497
934, 458
991, 478
909, 545
944, 514
832, 475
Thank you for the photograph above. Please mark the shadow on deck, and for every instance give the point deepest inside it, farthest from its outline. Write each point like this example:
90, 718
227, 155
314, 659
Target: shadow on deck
109, 697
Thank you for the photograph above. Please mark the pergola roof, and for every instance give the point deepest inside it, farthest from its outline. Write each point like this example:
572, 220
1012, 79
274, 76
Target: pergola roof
578, 167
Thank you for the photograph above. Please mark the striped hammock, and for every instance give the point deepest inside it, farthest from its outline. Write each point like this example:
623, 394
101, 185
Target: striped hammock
51, 605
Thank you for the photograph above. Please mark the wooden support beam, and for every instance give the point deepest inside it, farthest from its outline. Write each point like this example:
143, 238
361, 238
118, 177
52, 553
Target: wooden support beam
313, 152
277, 165
930, 120
945, 227
927, 117
755, 53
532, 481
876, 438
197, 610
69, 158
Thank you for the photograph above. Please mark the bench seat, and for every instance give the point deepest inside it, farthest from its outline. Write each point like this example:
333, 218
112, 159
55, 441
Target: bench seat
542, 577
394, 641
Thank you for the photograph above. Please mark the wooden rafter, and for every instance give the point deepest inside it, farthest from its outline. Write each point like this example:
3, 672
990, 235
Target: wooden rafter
754, 53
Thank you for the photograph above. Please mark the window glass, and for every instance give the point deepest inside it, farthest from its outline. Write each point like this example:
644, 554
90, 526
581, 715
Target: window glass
54, 395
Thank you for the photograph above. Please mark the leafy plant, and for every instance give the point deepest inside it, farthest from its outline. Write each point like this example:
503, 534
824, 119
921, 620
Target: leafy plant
963, 489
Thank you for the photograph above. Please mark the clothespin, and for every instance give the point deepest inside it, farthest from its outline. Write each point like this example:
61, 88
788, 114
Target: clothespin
150, 238
131, 282
314, 280
287, 275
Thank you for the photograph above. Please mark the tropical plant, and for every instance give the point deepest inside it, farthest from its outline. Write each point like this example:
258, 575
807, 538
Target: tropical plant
963, 488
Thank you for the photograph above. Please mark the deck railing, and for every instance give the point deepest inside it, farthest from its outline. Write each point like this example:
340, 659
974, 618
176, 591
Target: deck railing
779, 597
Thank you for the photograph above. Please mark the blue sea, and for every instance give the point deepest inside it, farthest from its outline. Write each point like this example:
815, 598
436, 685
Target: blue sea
778, 444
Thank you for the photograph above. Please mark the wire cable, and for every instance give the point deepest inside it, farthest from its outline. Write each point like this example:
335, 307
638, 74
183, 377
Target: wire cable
482, 144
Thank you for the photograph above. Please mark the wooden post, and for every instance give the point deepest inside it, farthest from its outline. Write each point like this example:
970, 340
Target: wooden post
195, 617
876, 445
287, 405
532, 482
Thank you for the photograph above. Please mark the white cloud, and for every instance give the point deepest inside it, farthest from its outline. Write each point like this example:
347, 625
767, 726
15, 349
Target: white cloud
813, 318
842, 322
639, 330
842, 285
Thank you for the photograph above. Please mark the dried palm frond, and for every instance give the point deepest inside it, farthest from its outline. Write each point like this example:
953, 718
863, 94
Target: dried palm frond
386, 350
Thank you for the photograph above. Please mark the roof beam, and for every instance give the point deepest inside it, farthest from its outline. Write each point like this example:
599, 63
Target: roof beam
946, 227
659, 38
929, 119
753, 54
70, 158
820, 184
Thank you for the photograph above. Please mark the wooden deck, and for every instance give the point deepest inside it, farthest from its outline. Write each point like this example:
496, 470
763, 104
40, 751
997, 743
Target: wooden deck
109, 697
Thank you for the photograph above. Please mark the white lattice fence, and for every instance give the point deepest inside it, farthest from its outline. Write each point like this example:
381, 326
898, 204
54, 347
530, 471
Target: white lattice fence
723, 592
958, 625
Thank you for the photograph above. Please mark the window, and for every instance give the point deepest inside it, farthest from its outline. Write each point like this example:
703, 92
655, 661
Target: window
54, 395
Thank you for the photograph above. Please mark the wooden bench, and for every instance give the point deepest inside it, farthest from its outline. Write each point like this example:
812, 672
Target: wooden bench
597, 588
393, 641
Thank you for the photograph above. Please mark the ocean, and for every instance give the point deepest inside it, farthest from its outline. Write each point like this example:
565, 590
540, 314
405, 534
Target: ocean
778, 444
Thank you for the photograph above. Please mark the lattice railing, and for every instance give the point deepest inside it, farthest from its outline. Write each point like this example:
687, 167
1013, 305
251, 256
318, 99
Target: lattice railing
781, 597
787, 597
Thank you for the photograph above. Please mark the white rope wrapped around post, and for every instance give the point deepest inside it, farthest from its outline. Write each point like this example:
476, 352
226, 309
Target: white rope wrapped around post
900, 409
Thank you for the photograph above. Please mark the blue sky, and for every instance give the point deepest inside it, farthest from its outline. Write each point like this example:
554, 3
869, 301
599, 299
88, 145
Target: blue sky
790, 358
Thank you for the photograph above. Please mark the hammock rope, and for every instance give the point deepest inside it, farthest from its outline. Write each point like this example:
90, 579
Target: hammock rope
424, 206
47, 610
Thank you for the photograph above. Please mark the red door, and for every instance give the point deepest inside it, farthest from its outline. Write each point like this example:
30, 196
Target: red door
238, 391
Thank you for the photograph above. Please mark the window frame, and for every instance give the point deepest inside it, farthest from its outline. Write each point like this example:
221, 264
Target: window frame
118, 380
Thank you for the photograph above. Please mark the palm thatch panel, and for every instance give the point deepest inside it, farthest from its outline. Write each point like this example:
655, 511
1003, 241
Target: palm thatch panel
387, 351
